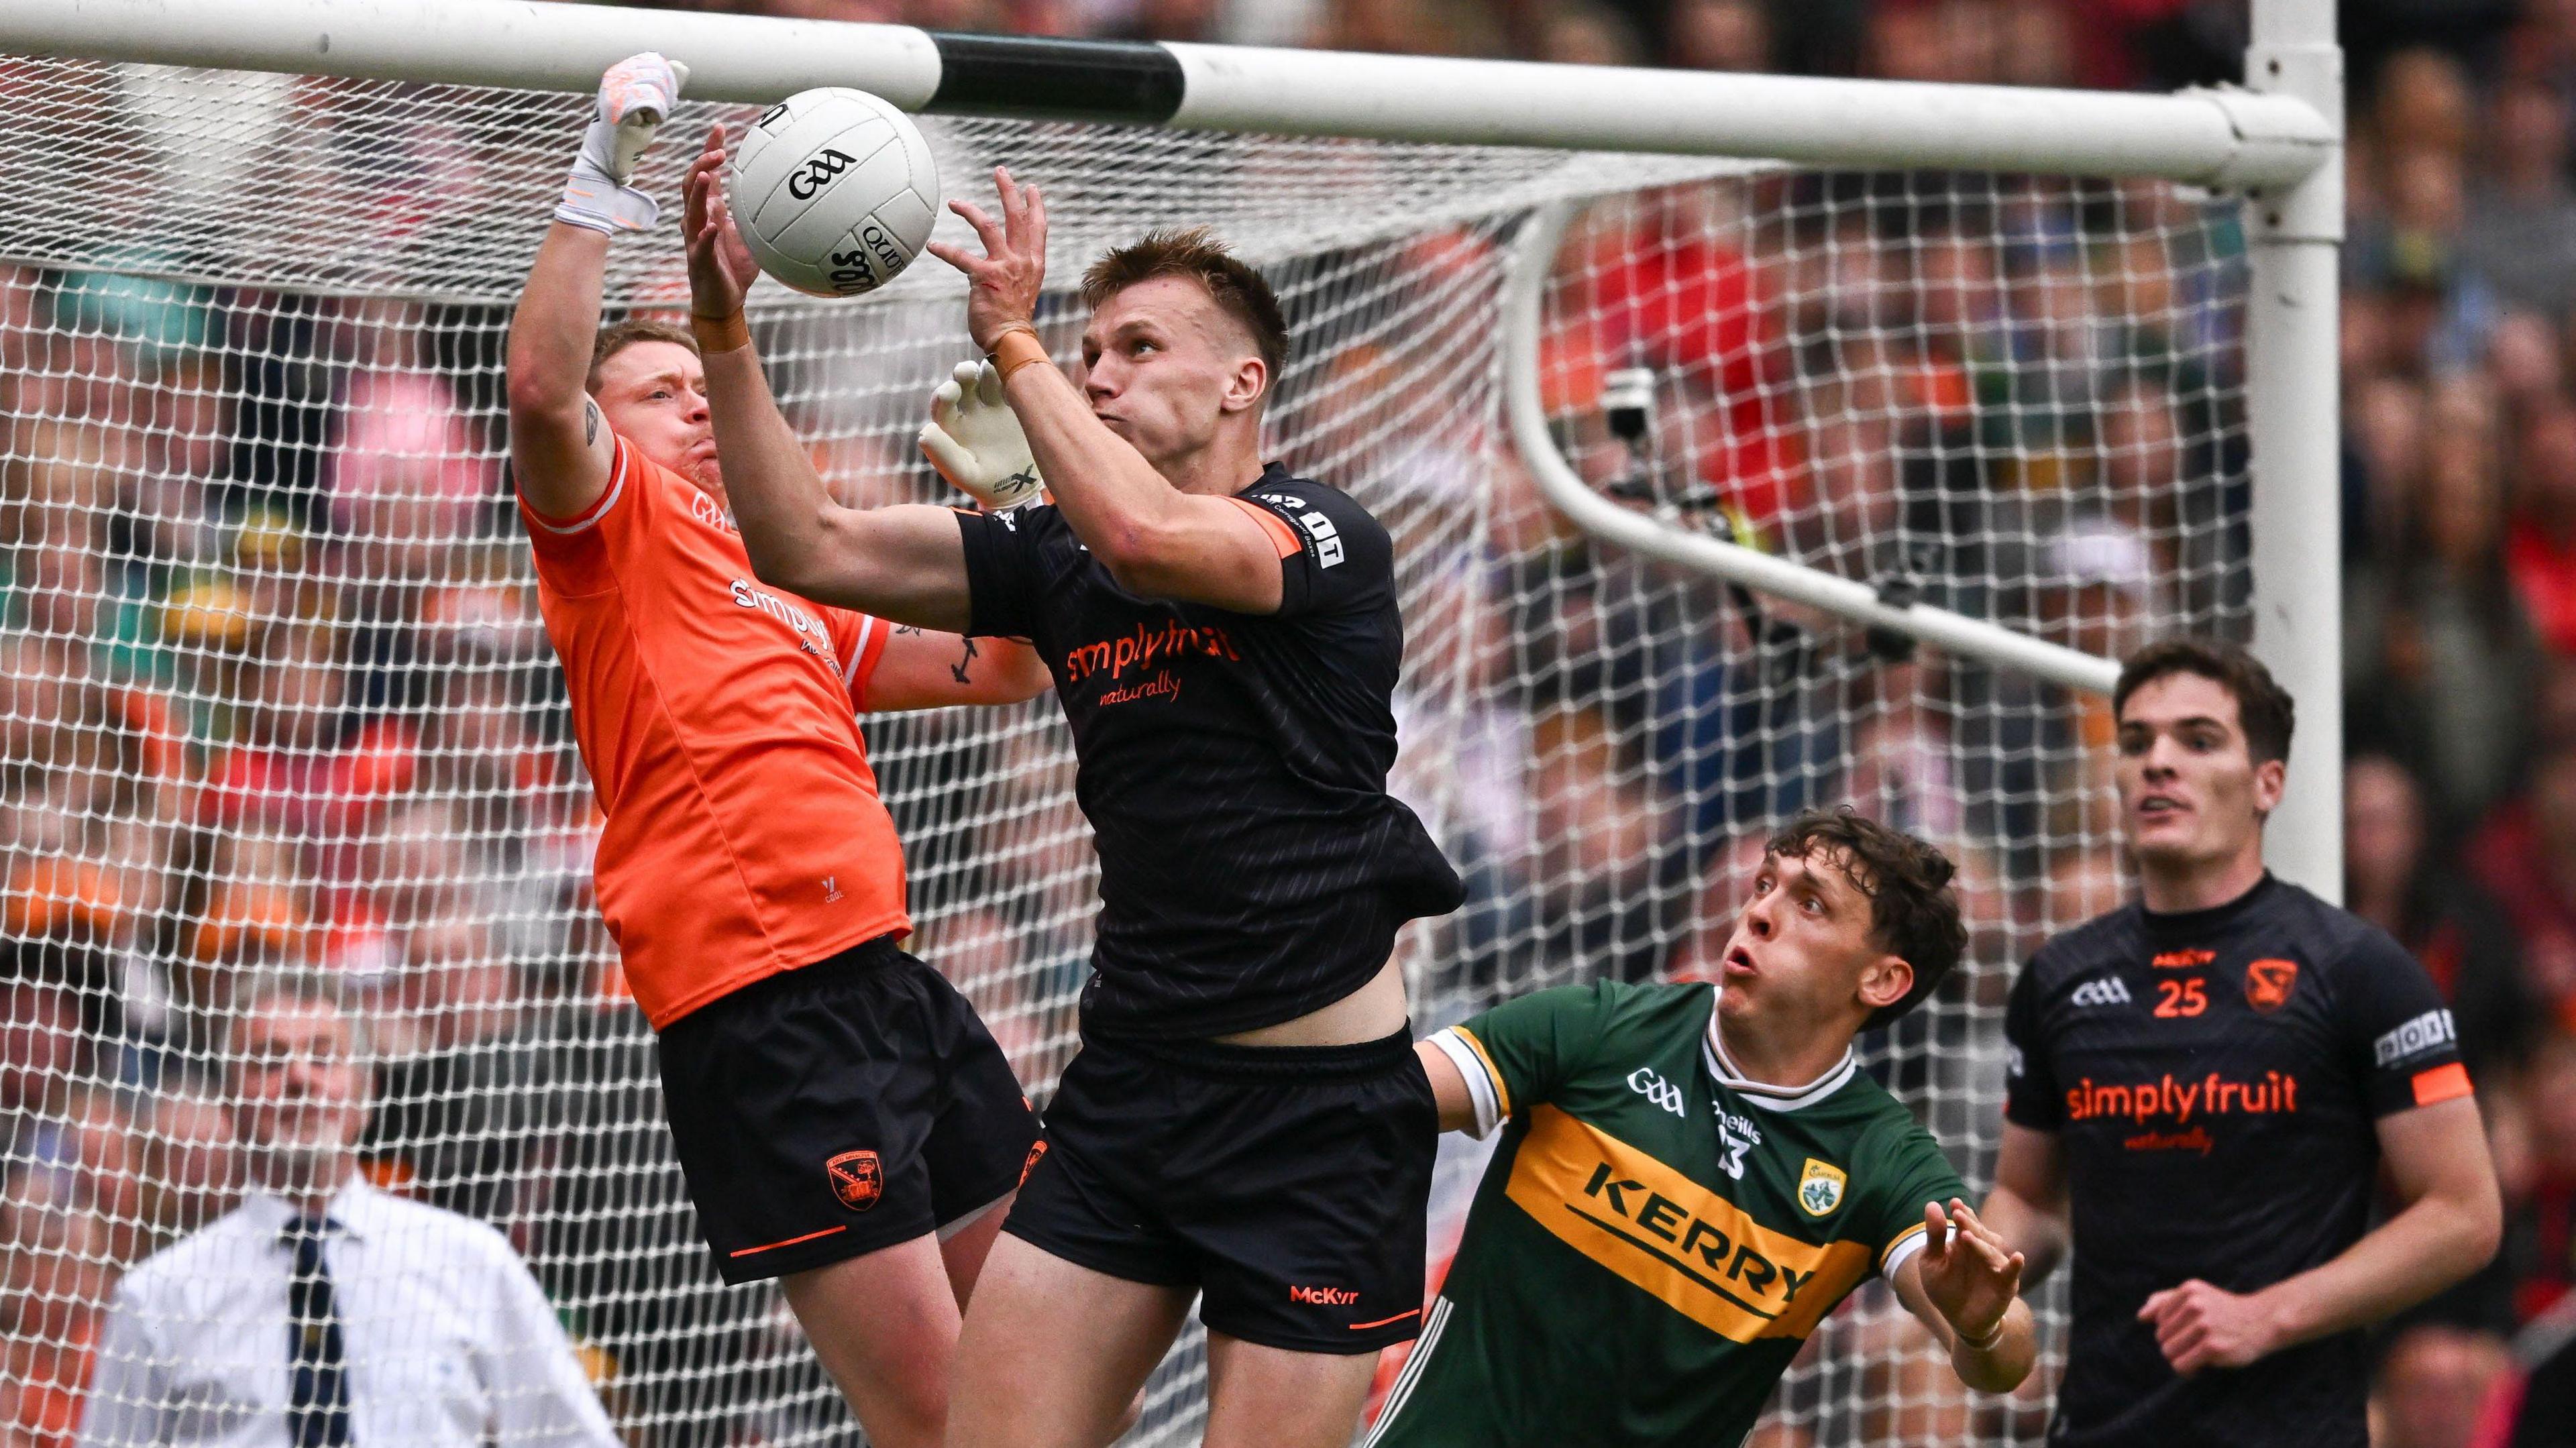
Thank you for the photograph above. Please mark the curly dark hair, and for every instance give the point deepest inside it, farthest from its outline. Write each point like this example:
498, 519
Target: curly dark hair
1913, 911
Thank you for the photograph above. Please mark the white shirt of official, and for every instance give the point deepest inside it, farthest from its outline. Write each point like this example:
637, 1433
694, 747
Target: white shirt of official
448, 1342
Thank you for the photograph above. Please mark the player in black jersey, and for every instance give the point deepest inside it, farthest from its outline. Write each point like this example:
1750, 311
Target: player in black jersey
1246, 1122
2201, 1090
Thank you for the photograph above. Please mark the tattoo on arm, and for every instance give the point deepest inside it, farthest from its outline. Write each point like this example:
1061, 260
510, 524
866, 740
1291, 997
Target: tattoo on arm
905, 628
958, 669
589, 422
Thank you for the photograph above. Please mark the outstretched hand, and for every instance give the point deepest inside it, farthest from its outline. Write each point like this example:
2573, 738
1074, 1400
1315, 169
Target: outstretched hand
1970, 1275
1001, 285
720, 266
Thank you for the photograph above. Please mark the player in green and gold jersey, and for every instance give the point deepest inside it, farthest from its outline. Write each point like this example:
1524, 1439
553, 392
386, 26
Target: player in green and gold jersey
1694, 1175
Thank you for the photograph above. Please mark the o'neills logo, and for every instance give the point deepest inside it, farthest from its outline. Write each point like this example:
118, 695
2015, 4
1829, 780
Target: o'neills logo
1144, 646
2179, 1101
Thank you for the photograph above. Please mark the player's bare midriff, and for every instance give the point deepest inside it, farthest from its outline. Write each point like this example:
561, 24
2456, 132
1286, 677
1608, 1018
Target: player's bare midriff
1373, 1012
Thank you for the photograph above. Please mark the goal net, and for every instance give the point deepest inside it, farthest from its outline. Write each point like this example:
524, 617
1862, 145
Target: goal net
276, 696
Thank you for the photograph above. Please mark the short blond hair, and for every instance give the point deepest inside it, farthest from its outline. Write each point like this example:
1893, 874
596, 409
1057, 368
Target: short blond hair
616, 337
1196, 253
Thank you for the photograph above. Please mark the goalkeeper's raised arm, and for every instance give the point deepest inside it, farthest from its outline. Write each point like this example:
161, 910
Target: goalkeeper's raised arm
559, 449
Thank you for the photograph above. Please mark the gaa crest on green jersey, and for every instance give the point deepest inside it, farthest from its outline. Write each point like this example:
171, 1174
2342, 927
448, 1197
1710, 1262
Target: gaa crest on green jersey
1820, 1187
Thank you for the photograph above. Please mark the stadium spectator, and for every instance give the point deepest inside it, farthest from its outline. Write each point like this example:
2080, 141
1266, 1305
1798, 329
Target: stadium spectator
1582, 33
2425, 97
409, 488
2439, 649
201, 1343
2540, 541
2539, 1409
468, 1092
308, 770
2520, 231
105, 1168
2395, 878
2540, 1238
1609, 876
2435, 1386
1195, 21
1718, 35
2525, 855
56, 1270
43, 1053
1407, 27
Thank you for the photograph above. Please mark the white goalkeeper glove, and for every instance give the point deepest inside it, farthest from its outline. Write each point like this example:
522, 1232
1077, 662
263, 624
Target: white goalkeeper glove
974, 439
635, 98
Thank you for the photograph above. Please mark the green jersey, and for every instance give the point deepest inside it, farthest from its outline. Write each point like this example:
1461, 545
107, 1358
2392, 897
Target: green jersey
1656, 1235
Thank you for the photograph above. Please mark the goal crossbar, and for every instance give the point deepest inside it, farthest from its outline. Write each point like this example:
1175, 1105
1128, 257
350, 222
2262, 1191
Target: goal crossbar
2223, 138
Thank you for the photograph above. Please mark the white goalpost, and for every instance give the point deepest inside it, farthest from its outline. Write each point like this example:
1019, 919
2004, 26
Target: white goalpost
1748, 442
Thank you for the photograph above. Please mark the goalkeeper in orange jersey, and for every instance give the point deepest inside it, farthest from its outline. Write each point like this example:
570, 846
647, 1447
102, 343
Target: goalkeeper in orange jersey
845, 1122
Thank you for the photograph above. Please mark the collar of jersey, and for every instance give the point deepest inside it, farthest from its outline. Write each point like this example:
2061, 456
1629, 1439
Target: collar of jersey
1763, 1093
2182, 923
1273, 472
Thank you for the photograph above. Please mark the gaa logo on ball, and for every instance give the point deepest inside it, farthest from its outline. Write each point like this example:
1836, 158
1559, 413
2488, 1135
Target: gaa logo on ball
834, 191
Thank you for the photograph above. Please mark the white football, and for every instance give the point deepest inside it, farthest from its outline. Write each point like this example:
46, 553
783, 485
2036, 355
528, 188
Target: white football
833, 190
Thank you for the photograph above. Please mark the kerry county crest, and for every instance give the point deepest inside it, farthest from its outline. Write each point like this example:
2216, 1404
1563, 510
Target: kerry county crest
1820, 1188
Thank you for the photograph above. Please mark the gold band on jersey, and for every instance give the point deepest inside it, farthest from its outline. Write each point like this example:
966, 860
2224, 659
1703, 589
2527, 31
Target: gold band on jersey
1681, 1242
1897, 1241
1502, 1093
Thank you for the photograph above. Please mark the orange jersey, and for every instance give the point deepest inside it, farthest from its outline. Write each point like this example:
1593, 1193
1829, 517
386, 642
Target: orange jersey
744, 833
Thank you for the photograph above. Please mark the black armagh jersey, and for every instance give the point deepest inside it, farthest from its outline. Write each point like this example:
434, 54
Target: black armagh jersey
1233, 766
2214, 1078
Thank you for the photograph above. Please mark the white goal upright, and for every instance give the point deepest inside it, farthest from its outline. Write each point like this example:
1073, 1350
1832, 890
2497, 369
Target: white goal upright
1748, 442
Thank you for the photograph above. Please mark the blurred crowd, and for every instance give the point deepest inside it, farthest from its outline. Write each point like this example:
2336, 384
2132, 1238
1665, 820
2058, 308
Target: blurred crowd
273, 690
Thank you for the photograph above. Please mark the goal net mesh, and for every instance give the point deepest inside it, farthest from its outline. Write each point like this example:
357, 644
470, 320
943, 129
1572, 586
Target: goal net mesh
276, 696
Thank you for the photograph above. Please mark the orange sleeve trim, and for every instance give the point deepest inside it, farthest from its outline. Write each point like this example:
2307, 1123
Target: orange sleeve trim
2442, 1083
1502, 1093
1282, 537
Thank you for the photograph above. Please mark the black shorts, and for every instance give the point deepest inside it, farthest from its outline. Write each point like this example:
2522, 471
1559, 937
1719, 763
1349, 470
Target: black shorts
830, 1111
1287, 1184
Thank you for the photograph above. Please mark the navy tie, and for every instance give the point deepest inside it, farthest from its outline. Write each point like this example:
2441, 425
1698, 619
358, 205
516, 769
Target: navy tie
317, 1405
